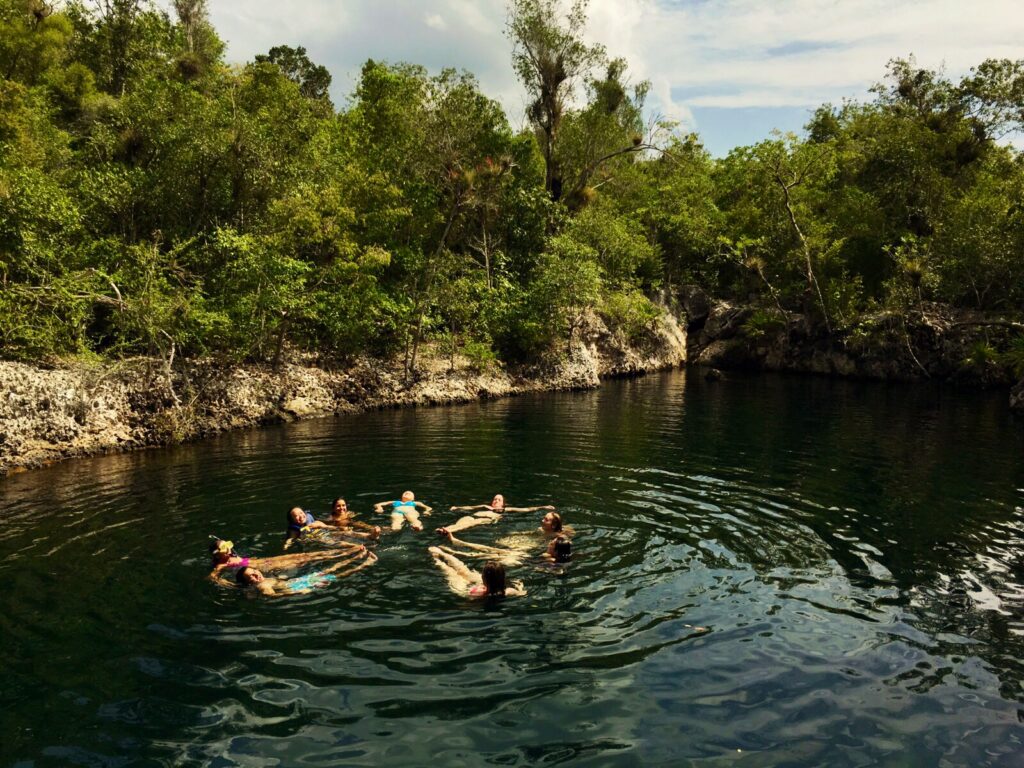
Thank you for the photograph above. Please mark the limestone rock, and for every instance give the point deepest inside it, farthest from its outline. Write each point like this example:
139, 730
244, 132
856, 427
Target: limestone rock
696, 304
48, 415
1017, 397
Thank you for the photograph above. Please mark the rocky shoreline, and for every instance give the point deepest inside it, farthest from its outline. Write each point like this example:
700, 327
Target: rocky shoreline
934, 342
76, 410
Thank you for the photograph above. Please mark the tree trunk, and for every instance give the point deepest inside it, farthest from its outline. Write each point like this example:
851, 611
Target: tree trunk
812, 281
421, 303
279, 348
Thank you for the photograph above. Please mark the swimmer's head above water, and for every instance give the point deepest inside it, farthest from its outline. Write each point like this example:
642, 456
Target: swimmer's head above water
248, 576
221, 546
408, 496
298, 519
551, 522
221, 550
498, 502
340, 508
493, 577
560, 549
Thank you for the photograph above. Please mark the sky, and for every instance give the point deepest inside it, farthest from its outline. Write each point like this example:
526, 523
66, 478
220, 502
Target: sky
732, 70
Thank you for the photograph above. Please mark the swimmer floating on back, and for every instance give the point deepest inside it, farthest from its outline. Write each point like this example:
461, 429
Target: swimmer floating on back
489, 582
507, 557
551, 527
484, 514
275, 586
224, 557
406, 509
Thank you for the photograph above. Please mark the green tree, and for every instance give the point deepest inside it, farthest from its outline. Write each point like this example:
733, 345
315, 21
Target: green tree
34, 40
550, 57
314, 80
601, 137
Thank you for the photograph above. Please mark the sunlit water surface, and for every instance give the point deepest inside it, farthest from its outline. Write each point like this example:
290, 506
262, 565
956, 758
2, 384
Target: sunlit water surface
854, 549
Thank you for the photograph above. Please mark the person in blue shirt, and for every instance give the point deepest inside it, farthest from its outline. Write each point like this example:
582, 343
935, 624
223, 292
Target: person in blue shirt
300, 522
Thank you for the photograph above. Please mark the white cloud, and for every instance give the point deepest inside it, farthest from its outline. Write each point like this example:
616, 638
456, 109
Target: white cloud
696, 53
749, 53
435, 21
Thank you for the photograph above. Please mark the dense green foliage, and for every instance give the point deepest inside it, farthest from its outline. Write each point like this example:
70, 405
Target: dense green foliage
154, 200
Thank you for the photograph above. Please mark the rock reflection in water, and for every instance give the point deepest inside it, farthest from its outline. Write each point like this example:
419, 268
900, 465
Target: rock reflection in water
854, 550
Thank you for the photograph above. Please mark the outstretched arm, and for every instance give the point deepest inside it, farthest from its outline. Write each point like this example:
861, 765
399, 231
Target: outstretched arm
424, 508
217, 576
289, 561
349, 525
477, 547
379, 506
471, 508
373, 532
546, 508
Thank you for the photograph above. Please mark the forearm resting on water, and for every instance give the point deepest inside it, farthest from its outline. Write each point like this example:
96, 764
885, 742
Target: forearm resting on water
478, 547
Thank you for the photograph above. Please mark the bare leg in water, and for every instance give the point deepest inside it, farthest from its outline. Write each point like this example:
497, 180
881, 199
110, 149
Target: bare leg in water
460, 578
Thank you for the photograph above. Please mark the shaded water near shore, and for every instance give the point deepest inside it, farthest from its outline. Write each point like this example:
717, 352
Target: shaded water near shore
855, 550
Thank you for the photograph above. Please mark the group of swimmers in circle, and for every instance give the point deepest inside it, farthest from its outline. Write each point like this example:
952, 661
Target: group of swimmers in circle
343, 557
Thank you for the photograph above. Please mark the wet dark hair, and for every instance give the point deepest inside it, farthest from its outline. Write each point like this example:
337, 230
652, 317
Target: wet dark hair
335, 502
493, 577
562, 549
241, 576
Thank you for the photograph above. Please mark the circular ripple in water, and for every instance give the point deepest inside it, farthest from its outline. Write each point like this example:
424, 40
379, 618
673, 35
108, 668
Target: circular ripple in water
857, 569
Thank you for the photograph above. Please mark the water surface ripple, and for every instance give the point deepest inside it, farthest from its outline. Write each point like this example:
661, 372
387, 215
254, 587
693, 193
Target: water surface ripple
854, 551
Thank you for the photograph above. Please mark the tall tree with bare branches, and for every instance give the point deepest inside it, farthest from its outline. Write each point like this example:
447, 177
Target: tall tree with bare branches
550, 57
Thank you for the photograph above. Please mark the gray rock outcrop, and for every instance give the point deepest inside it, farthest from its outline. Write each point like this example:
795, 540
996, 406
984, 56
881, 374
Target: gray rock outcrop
51, 414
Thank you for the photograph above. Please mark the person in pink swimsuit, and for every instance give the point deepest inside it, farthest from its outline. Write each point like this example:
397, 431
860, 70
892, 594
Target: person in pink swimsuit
224, 558
462, 580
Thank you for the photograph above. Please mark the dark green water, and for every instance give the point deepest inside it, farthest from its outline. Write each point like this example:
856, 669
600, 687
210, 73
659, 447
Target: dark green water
855, 550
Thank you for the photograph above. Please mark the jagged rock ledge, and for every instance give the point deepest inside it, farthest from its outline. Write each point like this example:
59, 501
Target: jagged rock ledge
47, 415
935, 342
